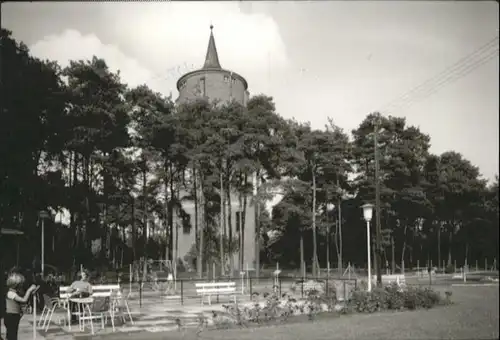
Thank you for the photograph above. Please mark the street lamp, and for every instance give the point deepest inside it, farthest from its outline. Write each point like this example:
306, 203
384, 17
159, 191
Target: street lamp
329, 208
367, 215
43, 215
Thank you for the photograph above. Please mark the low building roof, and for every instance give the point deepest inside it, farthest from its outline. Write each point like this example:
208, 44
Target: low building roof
10, 231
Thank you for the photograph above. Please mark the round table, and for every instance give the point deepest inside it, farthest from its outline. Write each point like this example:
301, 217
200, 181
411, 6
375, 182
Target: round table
84, 307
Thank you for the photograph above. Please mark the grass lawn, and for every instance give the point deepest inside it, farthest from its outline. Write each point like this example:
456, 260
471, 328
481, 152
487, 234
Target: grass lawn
473, 316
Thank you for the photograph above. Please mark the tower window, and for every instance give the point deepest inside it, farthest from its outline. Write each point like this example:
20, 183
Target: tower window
233, 80
182, 84
226, 79
202, 86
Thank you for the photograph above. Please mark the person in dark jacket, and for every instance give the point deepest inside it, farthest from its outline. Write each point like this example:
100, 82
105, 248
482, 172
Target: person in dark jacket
3, 294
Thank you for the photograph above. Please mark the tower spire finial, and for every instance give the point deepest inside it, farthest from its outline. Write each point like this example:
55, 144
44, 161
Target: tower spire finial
212, 58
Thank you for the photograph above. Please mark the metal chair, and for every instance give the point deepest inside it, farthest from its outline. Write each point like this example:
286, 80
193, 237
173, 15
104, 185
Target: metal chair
97, 311
118, 305
51, 304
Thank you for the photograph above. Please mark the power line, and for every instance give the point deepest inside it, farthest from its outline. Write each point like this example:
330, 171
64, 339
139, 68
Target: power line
448, 80
445, 73
453, 68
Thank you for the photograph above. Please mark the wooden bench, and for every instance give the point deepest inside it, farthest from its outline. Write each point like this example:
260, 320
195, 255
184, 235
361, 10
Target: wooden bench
215, 288
398, 279
97, 291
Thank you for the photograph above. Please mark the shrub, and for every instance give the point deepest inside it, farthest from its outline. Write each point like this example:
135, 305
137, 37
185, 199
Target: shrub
369, 302
394, 298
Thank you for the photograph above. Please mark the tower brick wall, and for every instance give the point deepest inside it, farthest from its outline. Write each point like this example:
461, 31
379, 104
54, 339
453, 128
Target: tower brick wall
216, 85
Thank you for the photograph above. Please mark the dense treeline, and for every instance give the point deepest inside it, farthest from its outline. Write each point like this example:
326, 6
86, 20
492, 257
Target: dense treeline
121, 162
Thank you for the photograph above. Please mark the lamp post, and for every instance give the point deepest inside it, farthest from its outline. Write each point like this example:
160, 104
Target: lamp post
329, 208
43, 215
367, 214
103, 228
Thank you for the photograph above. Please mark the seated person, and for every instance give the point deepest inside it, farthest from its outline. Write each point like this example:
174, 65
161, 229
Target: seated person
79, 289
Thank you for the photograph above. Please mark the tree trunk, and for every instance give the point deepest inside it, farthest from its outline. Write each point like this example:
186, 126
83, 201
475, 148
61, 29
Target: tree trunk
176, 249
133, 231
393, 254
257, 226
450, 243
328, 234
243, 218
166, 220
466, 261
403, 249
302, 268
171, 213
225, 257
240, 239
315, 252
230, 227
336, 243
222, 227
340, 259
144, 214
196, 223
73, 217
439, 243
202, 225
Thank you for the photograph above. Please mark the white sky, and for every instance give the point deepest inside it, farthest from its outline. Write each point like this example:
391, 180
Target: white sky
317, 59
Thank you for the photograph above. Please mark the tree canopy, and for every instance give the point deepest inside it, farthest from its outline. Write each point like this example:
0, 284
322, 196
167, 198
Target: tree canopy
122, 162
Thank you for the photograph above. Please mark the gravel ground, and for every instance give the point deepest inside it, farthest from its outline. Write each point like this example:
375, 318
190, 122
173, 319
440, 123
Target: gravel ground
473, 316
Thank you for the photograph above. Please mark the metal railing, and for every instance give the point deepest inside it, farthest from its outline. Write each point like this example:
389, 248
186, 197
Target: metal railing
184, 290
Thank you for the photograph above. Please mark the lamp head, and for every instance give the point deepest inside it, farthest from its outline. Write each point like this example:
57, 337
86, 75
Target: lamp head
43, 214
367, 212
330, 206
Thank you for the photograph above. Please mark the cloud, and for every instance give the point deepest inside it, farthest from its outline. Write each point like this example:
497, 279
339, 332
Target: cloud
72, 45
155, 43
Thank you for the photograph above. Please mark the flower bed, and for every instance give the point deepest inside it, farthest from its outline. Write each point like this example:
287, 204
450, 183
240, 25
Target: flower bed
273, 309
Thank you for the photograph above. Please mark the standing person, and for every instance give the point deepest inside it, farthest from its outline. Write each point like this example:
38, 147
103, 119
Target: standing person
2, 296
13, 304
170, 280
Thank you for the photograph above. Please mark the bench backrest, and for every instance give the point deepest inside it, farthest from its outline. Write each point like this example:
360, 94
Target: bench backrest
393, 278
215, 287
97, 291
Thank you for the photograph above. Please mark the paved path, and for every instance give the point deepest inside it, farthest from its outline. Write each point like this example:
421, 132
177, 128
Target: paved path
154, 316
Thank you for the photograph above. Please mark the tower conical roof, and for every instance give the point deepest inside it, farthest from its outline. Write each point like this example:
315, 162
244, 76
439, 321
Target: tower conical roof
212, 58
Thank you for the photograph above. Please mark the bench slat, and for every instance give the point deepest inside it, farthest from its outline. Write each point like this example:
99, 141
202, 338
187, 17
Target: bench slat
97, 291
209, 291
215, 284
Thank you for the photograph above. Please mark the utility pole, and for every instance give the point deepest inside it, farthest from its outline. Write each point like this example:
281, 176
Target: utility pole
340, 262
378, 246
221, 222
